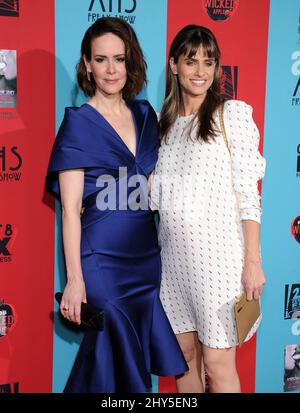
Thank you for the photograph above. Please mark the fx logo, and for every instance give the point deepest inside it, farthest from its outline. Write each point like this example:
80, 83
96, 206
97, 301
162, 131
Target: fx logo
8, 234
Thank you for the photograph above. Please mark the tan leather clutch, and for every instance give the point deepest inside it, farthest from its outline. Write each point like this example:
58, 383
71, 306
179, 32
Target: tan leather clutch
246, 313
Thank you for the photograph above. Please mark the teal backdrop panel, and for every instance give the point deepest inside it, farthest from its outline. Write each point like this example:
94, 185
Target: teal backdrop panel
280, 194
72, 18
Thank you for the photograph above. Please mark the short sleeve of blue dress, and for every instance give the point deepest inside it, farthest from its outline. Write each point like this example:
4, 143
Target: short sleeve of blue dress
120, 255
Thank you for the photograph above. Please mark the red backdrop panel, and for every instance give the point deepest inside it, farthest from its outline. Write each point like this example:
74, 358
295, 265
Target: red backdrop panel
243, 40
25, 281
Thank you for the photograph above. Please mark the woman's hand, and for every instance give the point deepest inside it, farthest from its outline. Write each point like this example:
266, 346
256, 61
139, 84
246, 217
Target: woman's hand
253, 278
74, 294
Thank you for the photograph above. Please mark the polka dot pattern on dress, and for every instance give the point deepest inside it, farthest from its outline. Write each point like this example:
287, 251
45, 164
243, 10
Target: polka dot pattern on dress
200, 230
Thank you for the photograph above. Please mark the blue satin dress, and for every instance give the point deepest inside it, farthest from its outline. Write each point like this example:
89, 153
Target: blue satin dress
120, 257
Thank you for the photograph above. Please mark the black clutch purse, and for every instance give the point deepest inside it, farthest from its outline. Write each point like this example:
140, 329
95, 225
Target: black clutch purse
91, 317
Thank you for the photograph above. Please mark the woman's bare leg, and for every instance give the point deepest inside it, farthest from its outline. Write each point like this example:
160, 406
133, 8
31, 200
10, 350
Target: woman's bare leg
220, 366
191, 381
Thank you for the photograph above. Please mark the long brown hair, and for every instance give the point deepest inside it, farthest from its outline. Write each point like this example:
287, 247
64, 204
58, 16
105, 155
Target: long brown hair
187, 42
134, 59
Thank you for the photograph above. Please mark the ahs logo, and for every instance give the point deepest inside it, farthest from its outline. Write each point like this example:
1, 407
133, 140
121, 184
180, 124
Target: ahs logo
109, 6
229, 82
14, 153
9, 8
10, 164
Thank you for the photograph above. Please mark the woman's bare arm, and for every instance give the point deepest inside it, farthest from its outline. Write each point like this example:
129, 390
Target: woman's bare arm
71, 188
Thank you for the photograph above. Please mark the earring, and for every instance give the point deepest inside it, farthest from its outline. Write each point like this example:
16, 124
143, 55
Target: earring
88, 75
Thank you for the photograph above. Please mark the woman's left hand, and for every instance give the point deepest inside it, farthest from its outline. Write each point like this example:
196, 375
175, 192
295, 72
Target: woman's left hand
253, 278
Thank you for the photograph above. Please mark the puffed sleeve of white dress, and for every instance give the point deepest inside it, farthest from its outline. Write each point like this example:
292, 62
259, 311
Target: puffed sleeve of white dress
248, 166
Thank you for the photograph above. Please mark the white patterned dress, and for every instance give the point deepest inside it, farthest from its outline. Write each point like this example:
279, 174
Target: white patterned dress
203, 192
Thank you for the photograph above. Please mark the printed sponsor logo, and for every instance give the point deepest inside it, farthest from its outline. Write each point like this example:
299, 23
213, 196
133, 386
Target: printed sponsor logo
9, 388
229, 82
292, 367
295, 228
7, 318
292, 301
220, 10
299, 27
298, 162
123, 9
8, 235
9, 8
296, 72
8, 78
10, 164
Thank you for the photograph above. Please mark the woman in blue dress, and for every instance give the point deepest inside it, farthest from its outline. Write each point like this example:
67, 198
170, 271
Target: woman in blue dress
102, 157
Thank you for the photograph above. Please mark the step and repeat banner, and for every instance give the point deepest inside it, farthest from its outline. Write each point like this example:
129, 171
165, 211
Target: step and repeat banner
27, 128
39, 49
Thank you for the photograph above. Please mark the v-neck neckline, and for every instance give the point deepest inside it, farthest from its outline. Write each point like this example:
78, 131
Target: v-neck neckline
137, 138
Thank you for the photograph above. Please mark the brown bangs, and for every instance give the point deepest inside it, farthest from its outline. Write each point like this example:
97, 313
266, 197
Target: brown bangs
209, 48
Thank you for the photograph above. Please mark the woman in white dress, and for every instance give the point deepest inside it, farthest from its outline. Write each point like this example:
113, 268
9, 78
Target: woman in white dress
205, 189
